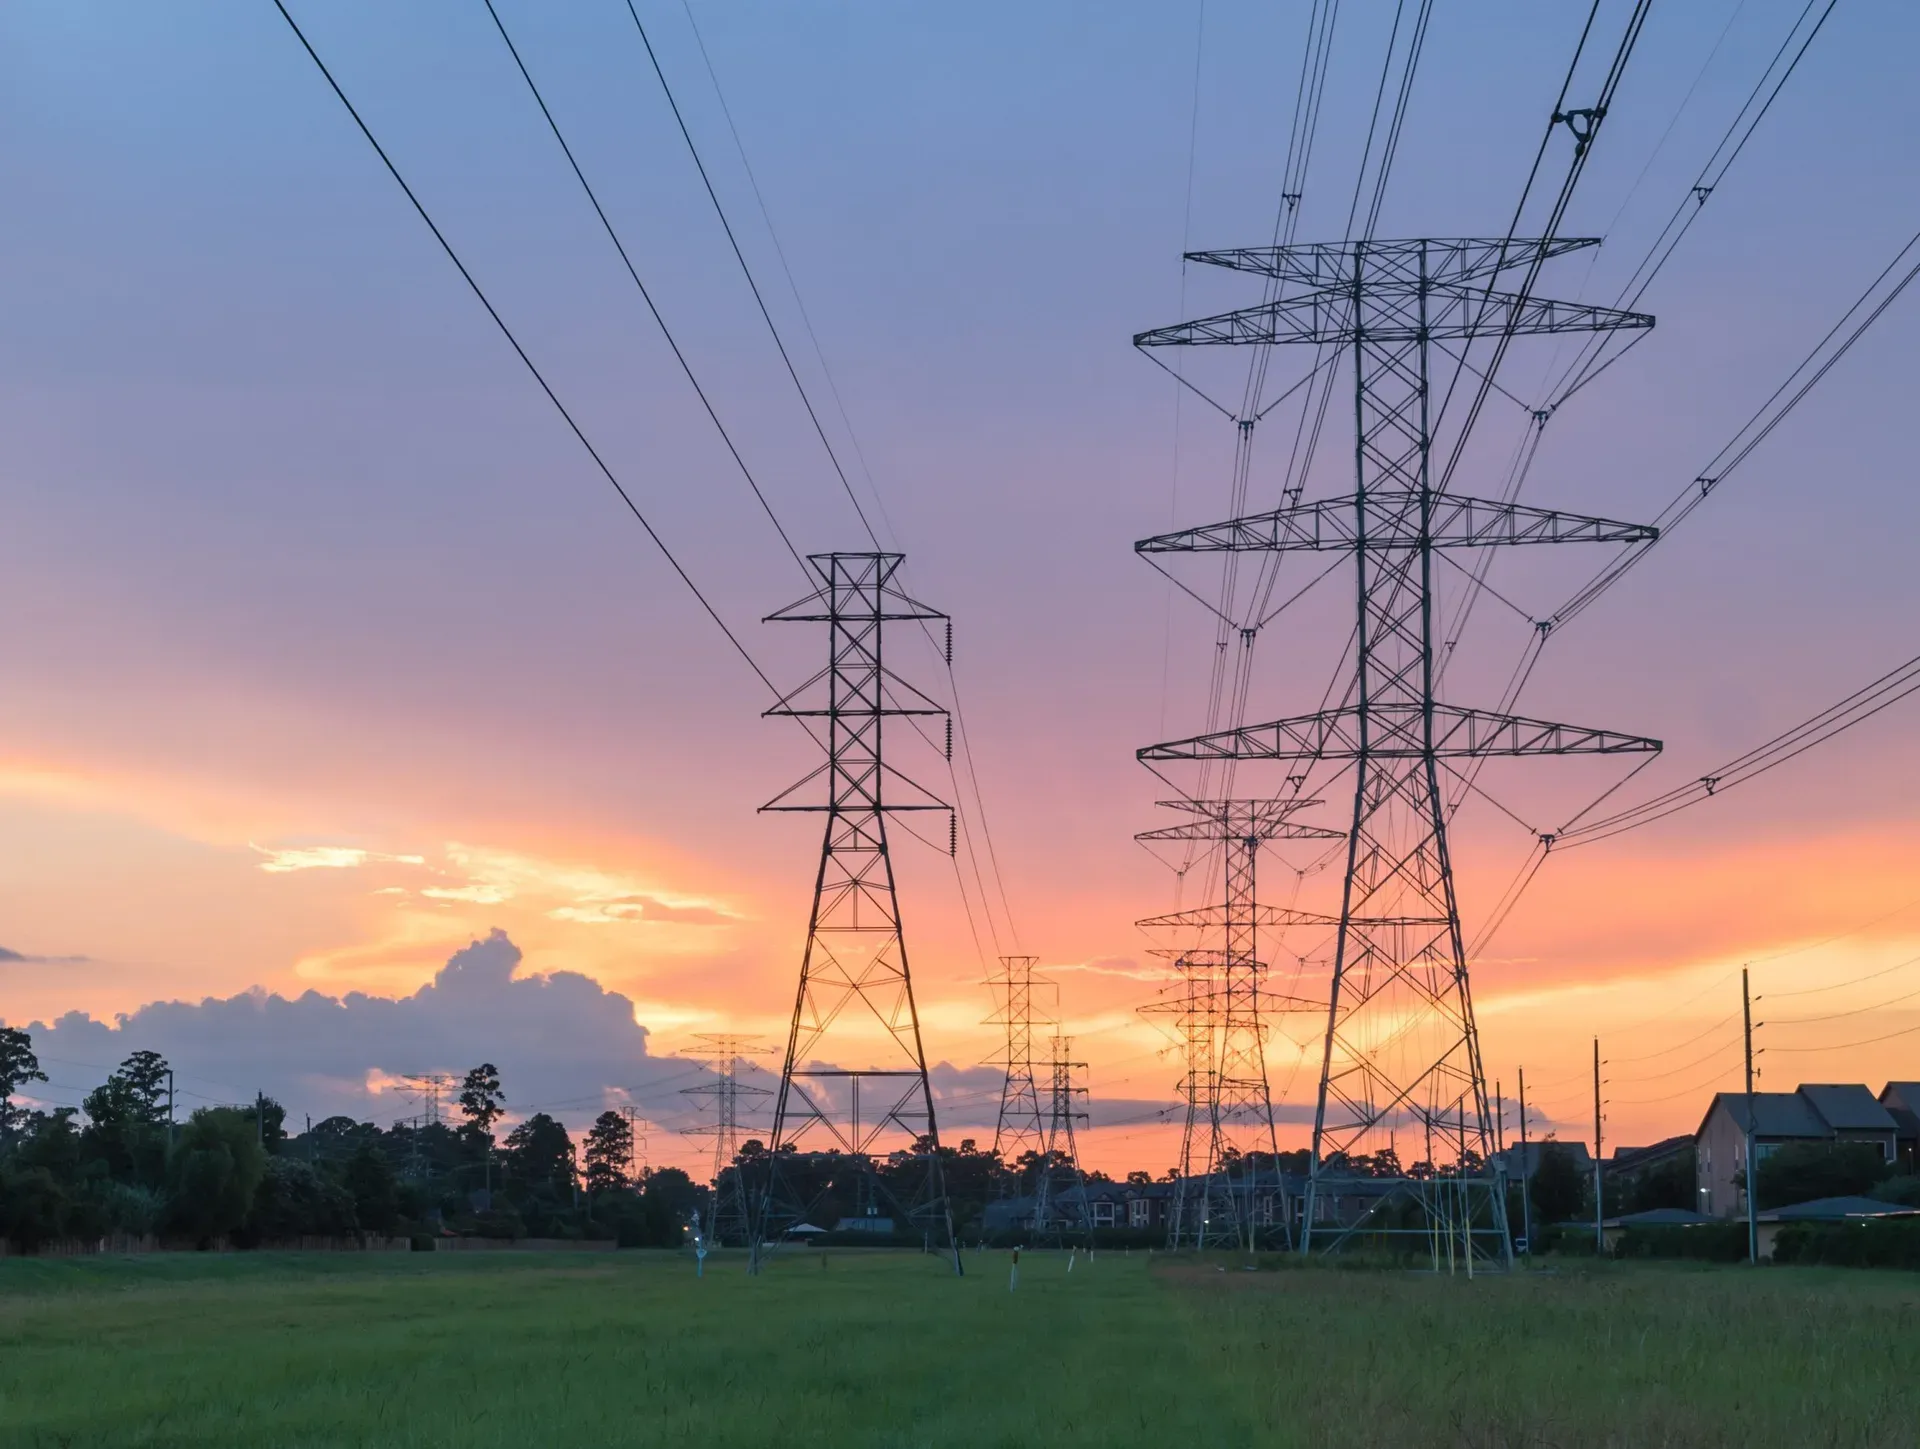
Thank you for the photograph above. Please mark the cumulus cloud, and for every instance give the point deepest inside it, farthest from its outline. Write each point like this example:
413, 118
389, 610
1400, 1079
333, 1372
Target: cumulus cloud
326, 857
562, 1042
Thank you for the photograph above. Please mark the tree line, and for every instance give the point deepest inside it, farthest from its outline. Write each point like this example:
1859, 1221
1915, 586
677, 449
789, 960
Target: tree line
124, 1166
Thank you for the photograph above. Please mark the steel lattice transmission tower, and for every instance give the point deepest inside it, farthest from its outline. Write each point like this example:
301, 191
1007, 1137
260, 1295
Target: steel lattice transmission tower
727, 1214
1021, 1127
1238, 1156
1060, 1180
855, 1001
1194, 1006
1401, 1047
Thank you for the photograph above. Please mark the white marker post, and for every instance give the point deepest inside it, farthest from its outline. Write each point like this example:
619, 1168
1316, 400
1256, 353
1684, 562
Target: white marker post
1013, 1278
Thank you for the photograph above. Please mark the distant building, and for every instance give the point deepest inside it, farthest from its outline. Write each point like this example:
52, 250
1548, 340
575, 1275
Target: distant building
1845, 1112
1902, 1101
1827, 1210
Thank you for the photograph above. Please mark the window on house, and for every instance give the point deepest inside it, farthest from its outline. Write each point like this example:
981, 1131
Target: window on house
1103, 1214
1137, 1213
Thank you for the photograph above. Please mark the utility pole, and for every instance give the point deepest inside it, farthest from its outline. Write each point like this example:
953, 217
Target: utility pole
1753, 1168
1599, 1210
1401, 1039
1526, 1170
169, 1111
1499, 1118
853, 974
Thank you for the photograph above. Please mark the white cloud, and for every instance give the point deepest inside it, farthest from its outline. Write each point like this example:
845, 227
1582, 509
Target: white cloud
326, 857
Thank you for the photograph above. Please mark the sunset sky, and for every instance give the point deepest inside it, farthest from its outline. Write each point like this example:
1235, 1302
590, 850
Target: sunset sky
325, 651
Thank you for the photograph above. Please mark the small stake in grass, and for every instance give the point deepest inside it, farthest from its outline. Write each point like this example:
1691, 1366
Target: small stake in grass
1013, 1278
1070, 1257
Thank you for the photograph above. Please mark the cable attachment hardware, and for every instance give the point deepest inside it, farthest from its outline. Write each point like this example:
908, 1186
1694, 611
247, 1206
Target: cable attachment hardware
1582, 123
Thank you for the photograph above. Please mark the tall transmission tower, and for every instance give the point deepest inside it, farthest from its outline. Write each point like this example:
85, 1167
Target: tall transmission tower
727, 1215
1021, 1127
855, 1001
1239, 1156
1401, 1046
1060, 1180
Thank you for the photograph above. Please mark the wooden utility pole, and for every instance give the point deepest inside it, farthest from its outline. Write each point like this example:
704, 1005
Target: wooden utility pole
1499, 1118
1599, 1208
1753, 1170
1526, 1169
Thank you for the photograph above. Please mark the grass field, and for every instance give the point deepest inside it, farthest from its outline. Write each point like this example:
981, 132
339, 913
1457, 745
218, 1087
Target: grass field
888, 1350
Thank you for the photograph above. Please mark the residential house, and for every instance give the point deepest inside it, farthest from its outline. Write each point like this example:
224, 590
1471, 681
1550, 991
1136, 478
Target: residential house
1845, 1112
1902, 1101
1827, 1210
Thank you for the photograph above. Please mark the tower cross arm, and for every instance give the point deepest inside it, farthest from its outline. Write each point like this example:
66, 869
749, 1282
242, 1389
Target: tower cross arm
1399, 731
1331, 264
1392, 314
1209, 916
1392, 519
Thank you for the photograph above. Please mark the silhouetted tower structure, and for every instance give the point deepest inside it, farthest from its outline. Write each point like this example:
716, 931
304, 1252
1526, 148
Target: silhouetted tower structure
1401, 1047
1021, 1127
727, 1207
855, 1001
1240, 1175
1193, 1004
1060, 1207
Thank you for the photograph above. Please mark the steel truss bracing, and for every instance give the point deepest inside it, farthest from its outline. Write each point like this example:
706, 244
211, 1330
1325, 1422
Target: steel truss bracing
1230, 1191
1021, 1127
855, 1001
1401, 1057
728, 1214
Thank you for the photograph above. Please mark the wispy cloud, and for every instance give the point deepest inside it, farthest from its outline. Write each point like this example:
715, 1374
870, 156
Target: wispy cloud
24, 958
326, 857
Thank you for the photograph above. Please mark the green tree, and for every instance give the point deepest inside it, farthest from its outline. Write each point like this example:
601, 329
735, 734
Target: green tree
1802, 1171
541, 1154
368, 1177
481, 1100
125, 1132
216, 1169
609, 1152
296, 1200
148, 1080
671, 1199
1559, 1187
18, 1066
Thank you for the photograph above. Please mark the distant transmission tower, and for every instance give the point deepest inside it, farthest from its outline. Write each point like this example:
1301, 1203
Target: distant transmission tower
855, 1002
727, 1215
1061, 1184
1021, 1127
1194, 1008
1401, 1046
1241, 1148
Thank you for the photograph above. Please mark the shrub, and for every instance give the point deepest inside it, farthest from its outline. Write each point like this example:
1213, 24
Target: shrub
1888, 1243
295, 1200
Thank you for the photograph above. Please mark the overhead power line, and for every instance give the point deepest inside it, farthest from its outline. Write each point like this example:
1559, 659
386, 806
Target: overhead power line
533, 370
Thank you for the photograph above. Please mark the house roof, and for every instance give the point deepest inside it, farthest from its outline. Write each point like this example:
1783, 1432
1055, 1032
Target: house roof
1519, 1160
1633, 1159
1848, 1107
1838, 1209
1666, 1217
1897, 1095
1775, 1114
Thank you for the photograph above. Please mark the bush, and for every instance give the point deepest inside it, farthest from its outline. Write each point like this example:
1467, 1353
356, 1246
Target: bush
134, 1211
1706, 1242
1903, 1190
34, 1208
1889, 1243
296, 1201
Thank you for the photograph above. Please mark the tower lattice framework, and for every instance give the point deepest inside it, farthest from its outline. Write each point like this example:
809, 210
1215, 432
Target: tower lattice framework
728, 1212
1060, 1206
1401, 1049
1021, 1127
853, 1080
1230, 1191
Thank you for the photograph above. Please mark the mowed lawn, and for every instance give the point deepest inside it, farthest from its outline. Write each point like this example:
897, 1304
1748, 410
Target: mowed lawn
880, 1349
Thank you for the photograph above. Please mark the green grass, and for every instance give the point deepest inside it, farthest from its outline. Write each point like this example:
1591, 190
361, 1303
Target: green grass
879, 1349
